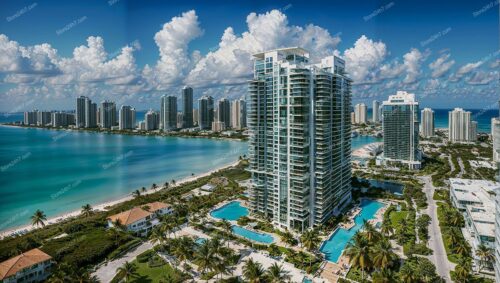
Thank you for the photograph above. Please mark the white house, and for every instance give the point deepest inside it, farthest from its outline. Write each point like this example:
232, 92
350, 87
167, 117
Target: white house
31, 266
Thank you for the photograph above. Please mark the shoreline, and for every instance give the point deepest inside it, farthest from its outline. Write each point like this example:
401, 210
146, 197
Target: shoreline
102, 206
111, 132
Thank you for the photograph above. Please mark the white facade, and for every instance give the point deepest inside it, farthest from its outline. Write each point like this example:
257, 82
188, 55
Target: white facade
427, 124
238, 114
151, 120
30, 117
460, 126
495, 134
126, 118
476, 200
360, 113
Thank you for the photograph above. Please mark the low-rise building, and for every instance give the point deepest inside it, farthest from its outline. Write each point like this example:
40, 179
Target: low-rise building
141, 219
31, 266
476, 200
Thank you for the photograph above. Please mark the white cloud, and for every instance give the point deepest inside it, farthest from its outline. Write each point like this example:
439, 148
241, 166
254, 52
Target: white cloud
464, 70
231, 62
441, 65
363, 60
412, 62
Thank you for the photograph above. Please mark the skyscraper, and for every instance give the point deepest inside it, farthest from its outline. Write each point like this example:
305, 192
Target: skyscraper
162, 110
61, 119
43, 118
375, 111
460, 127
360, 113
126, 118
80, 112
30, 117
90, 113
427, 125
187, 107
205, 112
151, 119
238, 114
108, 114
224, 112
495, 134
400, 125
170, 114
300, 138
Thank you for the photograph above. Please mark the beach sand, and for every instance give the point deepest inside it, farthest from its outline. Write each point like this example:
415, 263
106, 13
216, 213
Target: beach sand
102, 206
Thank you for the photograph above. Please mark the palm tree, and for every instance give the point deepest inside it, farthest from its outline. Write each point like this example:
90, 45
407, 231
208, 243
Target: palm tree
87, 210
384, 275
461, 248
383, 256
83, 275
143, 189
407, 274
287, 238
358, 250
310, 239
182, 252
38, 218
204, 257
128, 271
115, 234
253, 271
228, 228
136, 194
276, 274
173, 182
463, 269
157, 236
486, 255
166, 185
369, 231
454, 236
154, 186
386, 228
455, 218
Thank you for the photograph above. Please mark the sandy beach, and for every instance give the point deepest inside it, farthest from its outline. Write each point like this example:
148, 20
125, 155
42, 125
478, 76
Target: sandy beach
102, 206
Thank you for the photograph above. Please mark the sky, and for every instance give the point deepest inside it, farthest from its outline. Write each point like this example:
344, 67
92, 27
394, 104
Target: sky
132, 52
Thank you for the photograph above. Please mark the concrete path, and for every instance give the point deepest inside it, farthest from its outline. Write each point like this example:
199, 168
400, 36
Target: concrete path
106, 272
439, 257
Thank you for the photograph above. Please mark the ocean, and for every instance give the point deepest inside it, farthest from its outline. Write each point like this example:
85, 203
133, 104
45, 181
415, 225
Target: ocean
59, 171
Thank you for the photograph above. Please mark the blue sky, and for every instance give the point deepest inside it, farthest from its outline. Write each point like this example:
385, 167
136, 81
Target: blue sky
389, 45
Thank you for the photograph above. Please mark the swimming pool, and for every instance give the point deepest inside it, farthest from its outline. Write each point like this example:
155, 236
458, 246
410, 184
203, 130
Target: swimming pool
200, 241
254, 236
230, 211
333, 247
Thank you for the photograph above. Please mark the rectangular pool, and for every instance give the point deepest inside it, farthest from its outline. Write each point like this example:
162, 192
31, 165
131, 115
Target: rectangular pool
254, 236
335, 245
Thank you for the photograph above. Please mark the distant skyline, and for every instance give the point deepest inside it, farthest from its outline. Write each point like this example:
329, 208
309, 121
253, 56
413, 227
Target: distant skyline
446, 52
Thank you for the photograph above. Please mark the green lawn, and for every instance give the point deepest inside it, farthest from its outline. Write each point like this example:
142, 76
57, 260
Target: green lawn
396, 216
148, 274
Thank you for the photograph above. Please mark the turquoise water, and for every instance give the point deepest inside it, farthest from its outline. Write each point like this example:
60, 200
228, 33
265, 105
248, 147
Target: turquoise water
254, 236
200, 241
231, 211
333, 247
360, 141
59, 171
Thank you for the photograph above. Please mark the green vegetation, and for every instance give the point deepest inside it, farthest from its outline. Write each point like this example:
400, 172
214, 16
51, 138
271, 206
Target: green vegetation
137, 271
450, 221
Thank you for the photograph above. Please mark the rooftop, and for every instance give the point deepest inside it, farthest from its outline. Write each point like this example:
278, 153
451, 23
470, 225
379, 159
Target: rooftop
22, 261
130, 216
290, 50
154, 206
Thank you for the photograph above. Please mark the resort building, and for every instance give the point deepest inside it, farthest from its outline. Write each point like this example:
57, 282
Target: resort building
299, 138
30, 117
107, 115
62, 119
44, 118
375, 111
31, 266
238, 114
90, 113
497, 235
218, 126
476, 200
360, 113
126, 118
141, 219
460, 126
80, 112
187, 106
224, 112
169, 121
205, 112
151, 120
427, 125
400, 126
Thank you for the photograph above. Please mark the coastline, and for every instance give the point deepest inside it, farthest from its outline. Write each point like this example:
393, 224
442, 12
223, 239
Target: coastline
102, 206
127, 133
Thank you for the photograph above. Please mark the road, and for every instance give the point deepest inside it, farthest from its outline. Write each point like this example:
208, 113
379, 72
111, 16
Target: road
439, 257
106, 272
